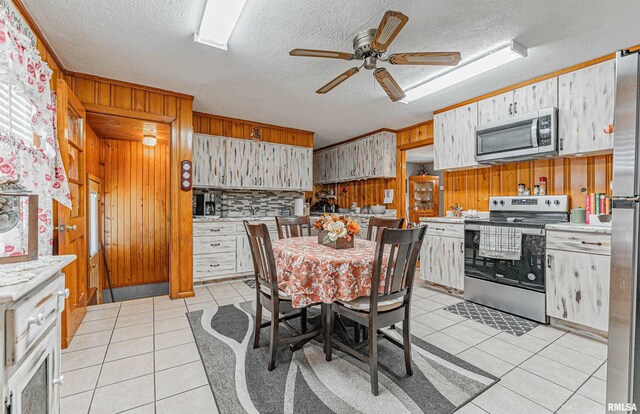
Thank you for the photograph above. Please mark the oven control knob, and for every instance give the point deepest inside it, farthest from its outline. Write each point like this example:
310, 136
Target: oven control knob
556, 202
502, 202
495, 202
548, 202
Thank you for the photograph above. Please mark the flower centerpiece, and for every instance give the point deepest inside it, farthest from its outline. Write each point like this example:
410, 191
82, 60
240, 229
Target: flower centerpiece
336, 231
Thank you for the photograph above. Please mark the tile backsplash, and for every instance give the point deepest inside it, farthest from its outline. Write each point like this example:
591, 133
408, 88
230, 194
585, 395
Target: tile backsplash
270, 203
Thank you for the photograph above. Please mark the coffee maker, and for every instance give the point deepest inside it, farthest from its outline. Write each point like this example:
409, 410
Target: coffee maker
204, 204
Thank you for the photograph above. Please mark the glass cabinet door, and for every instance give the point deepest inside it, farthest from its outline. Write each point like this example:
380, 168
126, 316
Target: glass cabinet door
423, 195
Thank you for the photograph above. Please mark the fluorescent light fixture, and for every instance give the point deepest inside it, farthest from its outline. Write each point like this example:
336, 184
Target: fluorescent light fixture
149, 140
467, 69
218, 21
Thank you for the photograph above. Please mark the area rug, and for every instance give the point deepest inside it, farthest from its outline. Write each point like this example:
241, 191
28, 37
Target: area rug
303, 382
502, 321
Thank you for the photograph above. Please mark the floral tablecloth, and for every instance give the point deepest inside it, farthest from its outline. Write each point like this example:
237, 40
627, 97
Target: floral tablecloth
310, 272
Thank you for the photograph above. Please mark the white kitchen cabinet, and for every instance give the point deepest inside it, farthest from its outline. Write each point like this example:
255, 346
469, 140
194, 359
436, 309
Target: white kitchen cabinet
383, 154
519, 101
239, 163
586, 103
442, 261
373, 156
244, 260
454, 137
577, 278
209, 160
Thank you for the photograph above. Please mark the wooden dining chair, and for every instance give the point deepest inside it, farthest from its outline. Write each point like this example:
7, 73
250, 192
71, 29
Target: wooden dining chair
269, 296
384, 309
293, 226
377, 223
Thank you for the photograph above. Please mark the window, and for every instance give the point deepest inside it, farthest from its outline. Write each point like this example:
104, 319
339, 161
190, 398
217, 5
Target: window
93, 224
15, 113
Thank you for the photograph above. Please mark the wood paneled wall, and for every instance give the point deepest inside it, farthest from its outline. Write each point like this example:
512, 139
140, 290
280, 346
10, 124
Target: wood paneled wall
238, 128
136, 212
363, 192
95, 162
100, 95
575, 177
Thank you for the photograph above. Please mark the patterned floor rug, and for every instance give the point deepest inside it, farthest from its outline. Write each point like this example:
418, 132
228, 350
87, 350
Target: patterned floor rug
505, 322
303, 382
251, 282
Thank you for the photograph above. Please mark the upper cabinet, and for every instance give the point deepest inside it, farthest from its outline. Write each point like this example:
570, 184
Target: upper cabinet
586, 103
454, 137
373, 156
221, 162
519, 101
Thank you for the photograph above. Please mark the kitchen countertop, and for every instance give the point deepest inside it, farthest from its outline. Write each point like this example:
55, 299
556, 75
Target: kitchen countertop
579, 227
21, 278
450, 220
231, 219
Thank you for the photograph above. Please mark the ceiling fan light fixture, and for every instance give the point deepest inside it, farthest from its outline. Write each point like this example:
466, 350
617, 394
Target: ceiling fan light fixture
338, 80
474, 66
218, 21
390, 86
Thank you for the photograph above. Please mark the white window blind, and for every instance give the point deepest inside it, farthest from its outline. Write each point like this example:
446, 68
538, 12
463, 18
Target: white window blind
15, 113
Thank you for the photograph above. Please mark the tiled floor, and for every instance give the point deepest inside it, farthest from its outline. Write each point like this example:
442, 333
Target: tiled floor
140, 357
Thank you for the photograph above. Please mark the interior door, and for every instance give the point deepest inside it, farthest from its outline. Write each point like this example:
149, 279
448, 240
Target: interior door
94, 239
72, 222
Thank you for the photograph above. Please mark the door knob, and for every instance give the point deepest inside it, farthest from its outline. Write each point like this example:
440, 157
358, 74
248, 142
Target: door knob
63, 293
74, 227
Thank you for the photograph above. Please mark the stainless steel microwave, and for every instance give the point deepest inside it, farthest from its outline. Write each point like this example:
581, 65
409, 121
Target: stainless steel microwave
533, 135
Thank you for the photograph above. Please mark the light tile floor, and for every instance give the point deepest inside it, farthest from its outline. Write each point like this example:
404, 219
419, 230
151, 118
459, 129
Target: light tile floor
139, 356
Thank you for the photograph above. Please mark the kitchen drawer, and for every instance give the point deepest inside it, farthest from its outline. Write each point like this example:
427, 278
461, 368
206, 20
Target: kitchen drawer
30, 317
214, 228
445, 229
581, 242
214, 264
214, 244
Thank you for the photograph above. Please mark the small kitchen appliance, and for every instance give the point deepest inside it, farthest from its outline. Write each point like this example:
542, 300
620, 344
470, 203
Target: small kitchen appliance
528, 136
204, 204
512, 285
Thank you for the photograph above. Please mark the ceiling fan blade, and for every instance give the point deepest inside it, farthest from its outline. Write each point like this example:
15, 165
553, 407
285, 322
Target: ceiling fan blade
389, 84
391, 24
425, 58
321, 54
338, 80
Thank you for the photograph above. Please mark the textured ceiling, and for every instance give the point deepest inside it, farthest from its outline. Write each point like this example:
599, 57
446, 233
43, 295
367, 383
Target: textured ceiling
421, 155
151, 43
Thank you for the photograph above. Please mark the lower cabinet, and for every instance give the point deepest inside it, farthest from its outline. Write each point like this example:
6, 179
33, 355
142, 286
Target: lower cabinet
244, 259
442, 260
578, 283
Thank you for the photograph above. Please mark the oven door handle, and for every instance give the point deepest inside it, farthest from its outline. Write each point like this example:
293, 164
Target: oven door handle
528, 231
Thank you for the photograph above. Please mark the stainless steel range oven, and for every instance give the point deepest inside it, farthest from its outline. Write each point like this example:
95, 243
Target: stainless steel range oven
512, 280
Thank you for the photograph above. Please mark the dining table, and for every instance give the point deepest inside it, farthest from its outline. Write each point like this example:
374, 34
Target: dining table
312, 273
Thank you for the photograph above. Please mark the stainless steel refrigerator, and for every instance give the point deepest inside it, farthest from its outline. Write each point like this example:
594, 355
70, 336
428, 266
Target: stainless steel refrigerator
623, 366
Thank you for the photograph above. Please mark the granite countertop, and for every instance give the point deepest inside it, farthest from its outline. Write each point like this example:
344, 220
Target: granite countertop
29, 275
231, 219
450, 220
579, 227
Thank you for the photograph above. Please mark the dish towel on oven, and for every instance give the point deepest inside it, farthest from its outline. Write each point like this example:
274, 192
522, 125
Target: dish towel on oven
500, 242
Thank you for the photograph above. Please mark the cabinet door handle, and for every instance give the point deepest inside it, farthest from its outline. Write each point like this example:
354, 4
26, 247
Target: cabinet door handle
549, 261
214, 265
38, 319
462, 247
215, 229
515, 107
59, 380
592, 243
63, 293
215, 244
561, 144
510, 109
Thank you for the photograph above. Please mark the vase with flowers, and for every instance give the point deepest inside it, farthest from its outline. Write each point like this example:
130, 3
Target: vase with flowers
336, 231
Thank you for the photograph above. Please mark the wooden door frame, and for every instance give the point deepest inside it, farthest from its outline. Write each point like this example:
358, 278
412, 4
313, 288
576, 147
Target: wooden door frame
180, 211
401, 174
97, 180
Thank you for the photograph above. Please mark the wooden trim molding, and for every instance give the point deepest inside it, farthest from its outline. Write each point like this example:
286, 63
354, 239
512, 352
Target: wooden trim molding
416, 144
95, 78
260, 124
355, 138
126, 113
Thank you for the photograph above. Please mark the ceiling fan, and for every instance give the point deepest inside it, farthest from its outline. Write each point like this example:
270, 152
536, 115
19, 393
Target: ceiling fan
371, 46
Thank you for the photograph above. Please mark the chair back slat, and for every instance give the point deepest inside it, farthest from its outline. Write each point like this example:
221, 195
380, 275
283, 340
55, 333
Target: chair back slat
403, 249
293, 226
262, 253
377, 223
